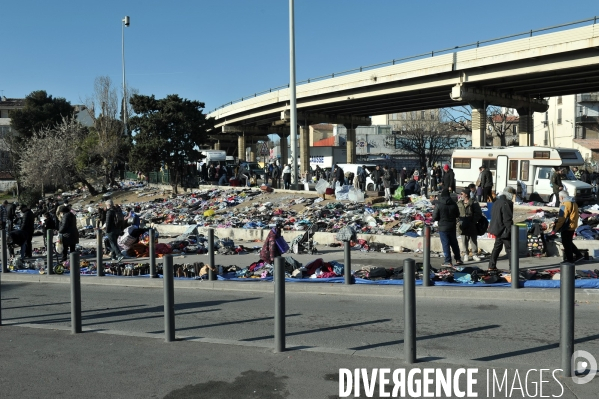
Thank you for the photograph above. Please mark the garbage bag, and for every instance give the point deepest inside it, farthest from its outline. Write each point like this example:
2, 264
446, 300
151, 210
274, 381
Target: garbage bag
399, 193
355, 195
341, 192
321, 186
346, 234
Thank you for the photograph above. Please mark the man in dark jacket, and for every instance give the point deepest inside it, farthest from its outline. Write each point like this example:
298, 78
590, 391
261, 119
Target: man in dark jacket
447, 213
502, 218
10, 215
377, 174
113, 231
448, 178
556, 183
68, 230
339, 175
27, 226
486, 182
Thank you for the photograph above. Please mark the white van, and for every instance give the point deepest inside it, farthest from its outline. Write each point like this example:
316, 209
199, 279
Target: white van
214, 155
533, 166
353, 168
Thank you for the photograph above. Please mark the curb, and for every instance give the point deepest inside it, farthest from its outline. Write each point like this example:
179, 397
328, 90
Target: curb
488, 293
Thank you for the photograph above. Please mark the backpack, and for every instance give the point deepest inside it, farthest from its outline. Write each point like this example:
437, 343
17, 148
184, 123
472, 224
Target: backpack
119, 218
482, 225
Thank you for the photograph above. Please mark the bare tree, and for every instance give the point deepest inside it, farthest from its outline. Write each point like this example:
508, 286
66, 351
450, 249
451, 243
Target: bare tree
105, 109
501, 122
429, 139
50, 156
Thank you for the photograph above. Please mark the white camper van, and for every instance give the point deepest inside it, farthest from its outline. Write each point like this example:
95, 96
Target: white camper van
533, 166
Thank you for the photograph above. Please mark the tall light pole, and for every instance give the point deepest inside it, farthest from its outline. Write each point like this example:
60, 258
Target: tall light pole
126, 22
292, 103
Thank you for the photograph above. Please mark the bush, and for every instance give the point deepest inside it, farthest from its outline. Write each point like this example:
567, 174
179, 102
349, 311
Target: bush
30, 196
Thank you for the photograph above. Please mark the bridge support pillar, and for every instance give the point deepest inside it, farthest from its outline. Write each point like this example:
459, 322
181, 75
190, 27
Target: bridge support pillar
241, 147
252, 155
284, 146
217, 145
304, 150
526, 132
479, 124
350, 143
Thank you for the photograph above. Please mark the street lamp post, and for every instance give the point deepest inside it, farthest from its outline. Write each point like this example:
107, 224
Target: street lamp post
126, 22
292, 102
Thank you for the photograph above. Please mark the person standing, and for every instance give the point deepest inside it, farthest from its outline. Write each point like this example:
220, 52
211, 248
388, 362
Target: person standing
222, 175
47, 225
68, 231
377, 173
403, 175
362, 177
448, 179
113, 231
27, 226
567, 223
267, 171
556, 184
447, 213
286, 177
10, 215
276, 176
502, 218
387, 184
486, 182
470, 214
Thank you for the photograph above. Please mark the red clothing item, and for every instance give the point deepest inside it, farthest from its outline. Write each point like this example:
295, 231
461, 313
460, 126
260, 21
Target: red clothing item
270, 250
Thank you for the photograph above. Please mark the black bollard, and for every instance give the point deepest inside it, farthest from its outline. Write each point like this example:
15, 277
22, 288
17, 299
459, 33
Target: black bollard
211, 254
75, 293
347, 264
4, 251
409, 298
99, 251
279, 304
567, 318
426, 254
515, 256
153, 273
169, 298
49, 252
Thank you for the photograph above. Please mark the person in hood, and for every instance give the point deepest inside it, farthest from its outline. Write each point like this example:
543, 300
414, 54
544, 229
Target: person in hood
270, 250
567, 223
502, 218
448, 179
447, 213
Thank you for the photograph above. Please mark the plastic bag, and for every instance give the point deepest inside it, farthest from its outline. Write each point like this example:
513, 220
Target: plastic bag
341, 192
59, 247
355, 195
399, 193
321, 186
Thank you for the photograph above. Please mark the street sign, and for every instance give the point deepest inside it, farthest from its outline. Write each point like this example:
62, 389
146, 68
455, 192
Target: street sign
264, 151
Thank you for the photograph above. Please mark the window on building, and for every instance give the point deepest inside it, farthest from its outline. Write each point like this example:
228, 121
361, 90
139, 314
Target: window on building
540, 154
524, 165
559, 116
422, 115
513, 170
461, 163
515, 129
413, 115
394, 117
559, 99
546, 141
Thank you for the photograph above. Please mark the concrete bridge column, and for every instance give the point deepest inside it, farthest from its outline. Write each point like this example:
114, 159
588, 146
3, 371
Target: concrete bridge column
479, 125
241, 147
284, 146
304, 150
217, 145
252, 154
350, 143
525, 127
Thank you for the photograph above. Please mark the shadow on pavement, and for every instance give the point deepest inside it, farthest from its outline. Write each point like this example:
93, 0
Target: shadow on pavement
228, 323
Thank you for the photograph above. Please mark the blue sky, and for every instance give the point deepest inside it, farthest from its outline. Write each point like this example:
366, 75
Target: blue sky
216, 51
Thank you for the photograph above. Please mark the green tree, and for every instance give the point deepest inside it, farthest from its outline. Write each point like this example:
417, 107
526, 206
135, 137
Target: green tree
40, 111
168, 130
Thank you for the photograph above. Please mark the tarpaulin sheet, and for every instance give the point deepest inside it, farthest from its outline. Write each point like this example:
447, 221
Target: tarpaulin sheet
579, 283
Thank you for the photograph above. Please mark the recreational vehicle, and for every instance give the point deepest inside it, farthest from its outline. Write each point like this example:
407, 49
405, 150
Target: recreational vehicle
531, 167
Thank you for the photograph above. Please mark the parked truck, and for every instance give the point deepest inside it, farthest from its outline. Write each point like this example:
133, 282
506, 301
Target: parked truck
517, 166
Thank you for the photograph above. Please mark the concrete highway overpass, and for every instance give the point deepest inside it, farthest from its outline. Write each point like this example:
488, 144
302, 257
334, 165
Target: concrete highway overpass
517, 71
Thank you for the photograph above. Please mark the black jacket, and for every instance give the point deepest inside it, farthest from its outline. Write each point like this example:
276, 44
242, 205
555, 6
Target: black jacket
502, 218
556, 181
111, 226
486, 178
376, 175
339, 175
446, 213
27, 225
449, 180
68, 229
10, 211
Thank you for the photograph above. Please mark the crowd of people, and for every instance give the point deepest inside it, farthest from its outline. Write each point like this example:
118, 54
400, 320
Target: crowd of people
58, 218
